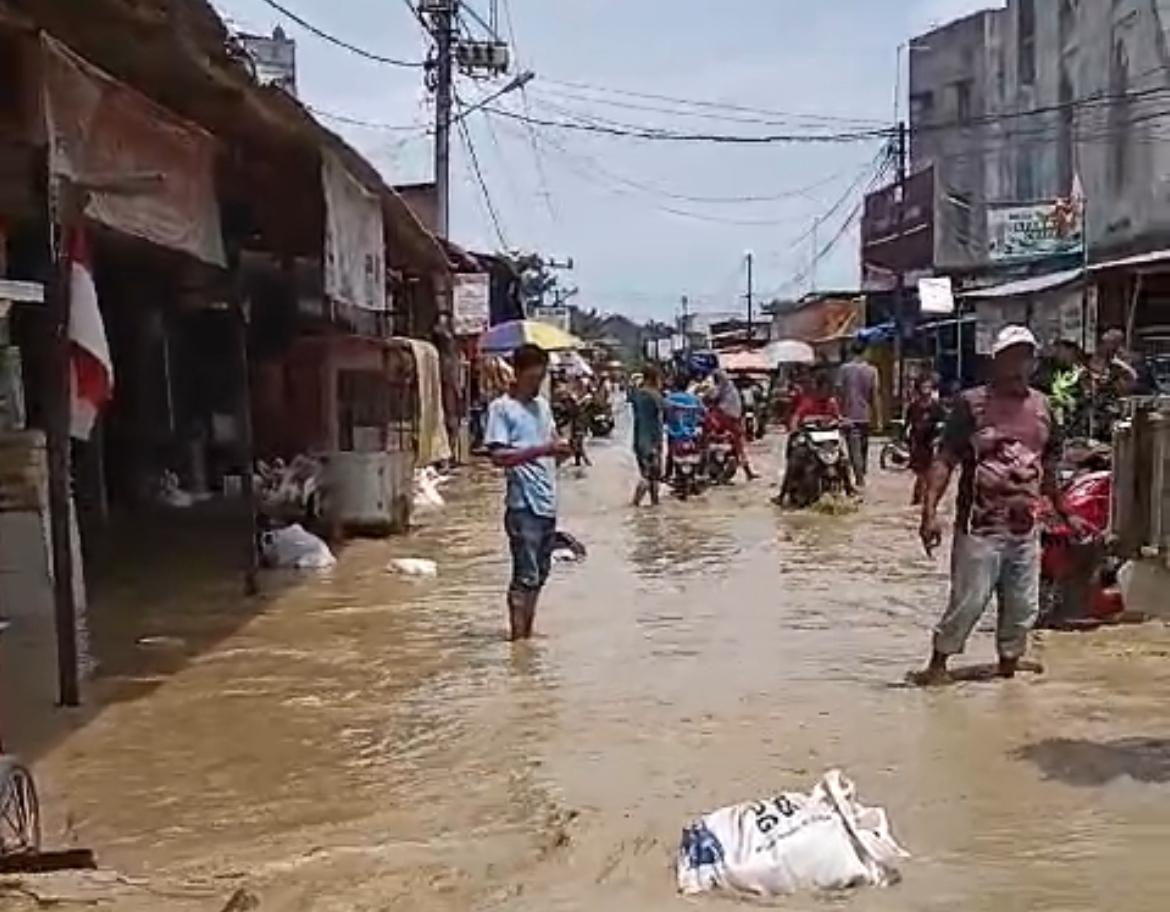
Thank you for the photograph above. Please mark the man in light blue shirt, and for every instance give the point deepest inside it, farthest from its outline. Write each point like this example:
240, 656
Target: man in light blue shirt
684, 412
521, 437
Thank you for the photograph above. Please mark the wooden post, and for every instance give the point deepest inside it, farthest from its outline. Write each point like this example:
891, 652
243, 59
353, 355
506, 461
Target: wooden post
239, 311
57, 437
251, 573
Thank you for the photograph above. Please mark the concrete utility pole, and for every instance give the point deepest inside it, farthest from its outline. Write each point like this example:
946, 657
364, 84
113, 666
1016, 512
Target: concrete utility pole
900, 277
751, 333
443, 13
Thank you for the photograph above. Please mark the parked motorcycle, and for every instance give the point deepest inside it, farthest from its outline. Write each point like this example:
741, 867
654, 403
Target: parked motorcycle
818, 464
1078, 576
686, 468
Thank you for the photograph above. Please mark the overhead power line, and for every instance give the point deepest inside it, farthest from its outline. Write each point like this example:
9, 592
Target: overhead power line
711, 105
786, 120
339, 42
589, 169
587, 123
1078, 104
633, 131
369, 124
883, 167
487, 197
541, 174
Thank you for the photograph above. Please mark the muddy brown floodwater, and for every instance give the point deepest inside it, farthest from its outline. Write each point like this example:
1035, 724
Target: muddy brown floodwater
371, 743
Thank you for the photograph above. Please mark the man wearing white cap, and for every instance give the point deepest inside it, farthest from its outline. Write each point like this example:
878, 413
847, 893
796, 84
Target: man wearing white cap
1004, 439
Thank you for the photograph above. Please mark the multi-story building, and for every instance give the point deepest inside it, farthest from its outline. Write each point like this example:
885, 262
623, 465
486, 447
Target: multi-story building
1015, 105
274, 58
956, 76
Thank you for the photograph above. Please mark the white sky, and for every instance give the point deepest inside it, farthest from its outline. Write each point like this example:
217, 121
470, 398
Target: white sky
828, 57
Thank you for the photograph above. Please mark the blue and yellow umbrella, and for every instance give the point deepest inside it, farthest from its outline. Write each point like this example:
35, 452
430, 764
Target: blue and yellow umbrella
507, 337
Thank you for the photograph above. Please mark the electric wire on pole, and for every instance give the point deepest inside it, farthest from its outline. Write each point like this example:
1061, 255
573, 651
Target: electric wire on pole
442, 22
900, 275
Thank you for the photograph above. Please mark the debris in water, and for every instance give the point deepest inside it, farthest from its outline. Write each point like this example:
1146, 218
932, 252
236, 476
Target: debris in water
294, 547
823, 840
413, 566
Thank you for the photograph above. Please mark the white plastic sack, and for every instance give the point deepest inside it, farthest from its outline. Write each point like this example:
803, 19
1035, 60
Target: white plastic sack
413, 566
426, 489
824, 840
295, 548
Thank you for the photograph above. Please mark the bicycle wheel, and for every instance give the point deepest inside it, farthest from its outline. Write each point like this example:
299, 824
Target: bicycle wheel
20, 812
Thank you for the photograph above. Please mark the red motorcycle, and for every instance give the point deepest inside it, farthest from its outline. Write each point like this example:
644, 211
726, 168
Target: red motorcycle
1078, 577
685, 464
720, 460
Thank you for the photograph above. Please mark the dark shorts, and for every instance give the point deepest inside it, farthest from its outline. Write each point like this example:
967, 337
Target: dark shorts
530, 538
649, 463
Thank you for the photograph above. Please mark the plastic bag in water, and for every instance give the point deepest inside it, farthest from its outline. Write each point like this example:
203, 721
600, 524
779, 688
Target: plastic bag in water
823, 840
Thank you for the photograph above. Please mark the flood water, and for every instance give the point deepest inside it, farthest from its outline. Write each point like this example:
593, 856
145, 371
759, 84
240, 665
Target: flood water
368, 742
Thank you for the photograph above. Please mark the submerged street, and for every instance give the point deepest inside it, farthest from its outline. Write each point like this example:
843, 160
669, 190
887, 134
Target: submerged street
370, 742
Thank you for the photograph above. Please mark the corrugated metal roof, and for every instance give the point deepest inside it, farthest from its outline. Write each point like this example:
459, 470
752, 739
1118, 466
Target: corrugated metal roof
1030, 285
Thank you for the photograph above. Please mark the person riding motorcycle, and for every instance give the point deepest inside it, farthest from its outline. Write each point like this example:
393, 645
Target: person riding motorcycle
684, 414
817, 401
726, 414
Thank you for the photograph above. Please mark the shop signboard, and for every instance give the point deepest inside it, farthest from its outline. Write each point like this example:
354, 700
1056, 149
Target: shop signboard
897, 233
557, 316
471, 303
1031, 231
936, 295
99, 127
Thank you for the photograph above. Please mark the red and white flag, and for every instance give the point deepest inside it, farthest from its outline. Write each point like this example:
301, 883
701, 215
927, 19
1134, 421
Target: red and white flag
91, 370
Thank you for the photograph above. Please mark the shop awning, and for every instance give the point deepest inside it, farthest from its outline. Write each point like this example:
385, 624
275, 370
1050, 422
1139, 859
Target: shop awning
1155, 258
748, 362
1029, 286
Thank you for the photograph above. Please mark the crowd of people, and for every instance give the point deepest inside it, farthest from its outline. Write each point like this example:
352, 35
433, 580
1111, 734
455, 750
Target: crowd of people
1005, 438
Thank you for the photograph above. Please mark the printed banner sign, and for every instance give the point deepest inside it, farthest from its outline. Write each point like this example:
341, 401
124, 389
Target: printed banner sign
355, 247
99, 127
560, 317
1033, 231
936, 295
471, 303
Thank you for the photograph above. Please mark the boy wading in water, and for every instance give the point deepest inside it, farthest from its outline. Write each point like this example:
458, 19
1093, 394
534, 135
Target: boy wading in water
521, 437
1004, 438
648, 409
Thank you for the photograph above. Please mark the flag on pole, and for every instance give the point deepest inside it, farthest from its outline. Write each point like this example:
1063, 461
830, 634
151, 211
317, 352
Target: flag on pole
91, 370
1078, 193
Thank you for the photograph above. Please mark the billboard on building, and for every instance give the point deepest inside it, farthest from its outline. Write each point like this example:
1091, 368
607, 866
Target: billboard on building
471, 303
897, 233
1018, 232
